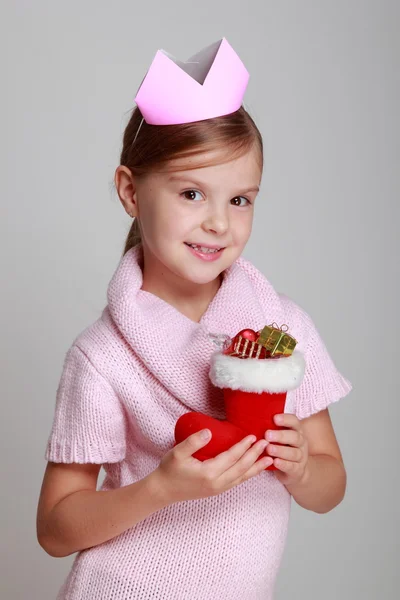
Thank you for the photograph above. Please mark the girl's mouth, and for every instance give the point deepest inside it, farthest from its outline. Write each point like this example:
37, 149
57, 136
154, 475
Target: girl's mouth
205, 252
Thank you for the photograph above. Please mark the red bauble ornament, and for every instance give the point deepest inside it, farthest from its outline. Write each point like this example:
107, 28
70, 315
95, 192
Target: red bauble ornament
244, 345
248, 334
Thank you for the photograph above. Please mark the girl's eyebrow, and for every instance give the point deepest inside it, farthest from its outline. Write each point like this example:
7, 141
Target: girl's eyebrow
200, 184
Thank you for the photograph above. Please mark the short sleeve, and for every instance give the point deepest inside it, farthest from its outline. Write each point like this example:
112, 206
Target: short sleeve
323, 384
89, 422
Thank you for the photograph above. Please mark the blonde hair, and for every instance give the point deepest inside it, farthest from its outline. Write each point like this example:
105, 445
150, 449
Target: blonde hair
156, 145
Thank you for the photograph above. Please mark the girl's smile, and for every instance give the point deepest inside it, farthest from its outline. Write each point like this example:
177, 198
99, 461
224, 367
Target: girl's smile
207, 253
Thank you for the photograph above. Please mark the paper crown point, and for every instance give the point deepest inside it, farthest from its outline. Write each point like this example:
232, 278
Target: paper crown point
209, 84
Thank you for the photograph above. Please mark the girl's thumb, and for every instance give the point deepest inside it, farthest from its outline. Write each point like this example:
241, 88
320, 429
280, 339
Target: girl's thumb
197, 440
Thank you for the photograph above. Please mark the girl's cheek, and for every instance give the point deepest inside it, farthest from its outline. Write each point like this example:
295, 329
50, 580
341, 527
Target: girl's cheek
242, 224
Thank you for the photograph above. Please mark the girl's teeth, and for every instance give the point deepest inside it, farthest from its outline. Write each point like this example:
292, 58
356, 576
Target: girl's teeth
203, 249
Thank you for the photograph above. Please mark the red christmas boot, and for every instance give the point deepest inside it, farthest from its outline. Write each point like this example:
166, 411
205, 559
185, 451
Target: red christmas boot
255, 370
255, 389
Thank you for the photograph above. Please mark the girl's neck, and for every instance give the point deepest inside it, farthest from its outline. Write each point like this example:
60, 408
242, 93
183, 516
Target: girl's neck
189, 298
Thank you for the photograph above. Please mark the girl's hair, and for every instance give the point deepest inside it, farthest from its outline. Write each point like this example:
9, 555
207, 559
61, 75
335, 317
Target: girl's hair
156, 145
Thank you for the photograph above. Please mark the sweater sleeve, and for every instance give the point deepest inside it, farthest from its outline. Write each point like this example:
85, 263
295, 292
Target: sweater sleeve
89, 423
323, 384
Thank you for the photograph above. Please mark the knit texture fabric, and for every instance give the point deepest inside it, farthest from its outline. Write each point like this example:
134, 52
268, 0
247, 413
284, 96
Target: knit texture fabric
126, 380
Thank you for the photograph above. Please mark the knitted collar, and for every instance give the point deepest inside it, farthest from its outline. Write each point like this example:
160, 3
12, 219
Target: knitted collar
176, 349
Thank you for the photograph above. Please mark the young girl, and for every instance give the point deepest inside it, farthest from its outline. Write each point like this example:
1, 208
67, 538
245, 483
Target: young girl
164, 525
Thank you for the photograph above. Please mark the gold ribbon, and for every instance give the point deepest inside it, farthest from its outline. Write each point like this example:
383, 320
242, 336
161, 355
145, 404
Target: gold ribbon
276, 326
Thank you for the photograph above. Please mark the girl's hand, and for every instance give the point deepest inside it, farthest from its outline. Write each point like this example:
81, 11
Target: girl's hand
292, 458
180, 476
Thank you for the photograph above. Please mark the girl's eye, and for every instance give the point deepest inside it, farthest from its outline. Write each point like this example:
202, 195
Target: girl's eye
237, 201
195, 196
191, 195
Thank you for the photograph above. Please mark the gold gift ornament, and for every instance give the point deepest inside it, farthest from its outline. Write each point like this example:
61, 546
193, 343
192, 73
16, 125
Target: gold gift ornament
276, 340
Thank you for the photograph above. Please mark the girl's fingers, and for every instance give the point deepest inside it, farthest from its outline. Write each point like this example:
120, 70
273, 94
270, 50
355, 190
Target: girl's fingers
226, 459
287, 420
286, 466
289, 437
244, 463
285, 452
255, 469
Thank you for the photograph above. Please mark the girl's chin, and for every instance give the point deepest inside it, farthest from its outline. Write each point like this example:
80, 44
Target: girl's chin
204, 275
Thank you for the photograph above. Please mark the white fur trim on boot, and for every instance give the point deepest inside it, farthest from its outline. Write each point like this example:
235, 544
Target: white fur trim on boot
274, 375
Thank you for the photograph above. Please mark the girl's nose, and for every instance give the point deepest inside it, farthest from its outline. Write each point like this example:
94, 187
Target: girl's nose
216, 222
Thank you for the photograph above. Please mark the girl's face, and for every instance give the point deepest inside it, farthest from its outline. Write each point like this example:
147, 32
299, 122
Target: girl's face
195, 222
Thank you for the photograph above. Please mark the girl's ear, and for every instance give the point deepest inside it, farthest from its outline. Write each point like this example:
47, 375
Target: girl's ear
126, 188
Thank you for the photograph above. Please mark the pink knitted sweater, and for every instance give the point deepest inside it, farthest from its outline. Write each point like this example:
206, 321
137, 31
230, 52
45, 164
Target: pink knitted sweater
127, 378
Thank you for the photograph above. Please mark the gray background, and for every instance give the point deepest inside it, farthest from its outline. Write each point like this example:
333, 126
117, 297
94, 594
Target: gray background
324, 90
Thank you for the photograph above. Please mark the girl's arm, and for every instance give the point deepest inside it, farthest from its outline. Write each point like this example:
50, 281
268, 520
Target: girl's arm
72, 515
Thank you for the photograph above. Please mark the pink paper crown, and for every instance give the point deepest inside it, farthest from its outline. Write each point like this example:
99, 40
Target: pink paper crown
209, 84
